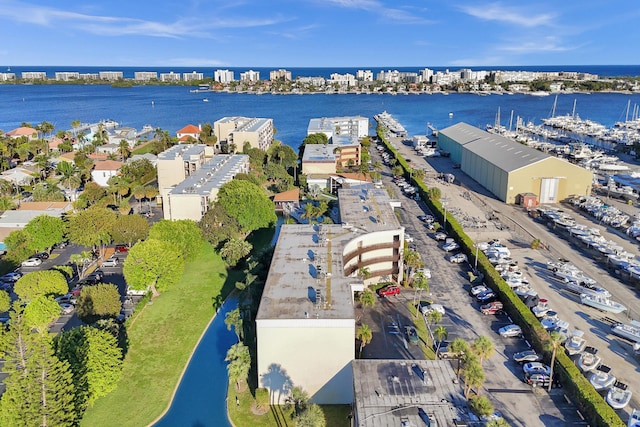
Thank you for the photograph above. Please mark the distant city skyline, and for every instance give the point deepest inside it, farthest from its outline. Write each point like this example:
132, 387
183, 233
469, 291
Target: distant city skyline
317, 33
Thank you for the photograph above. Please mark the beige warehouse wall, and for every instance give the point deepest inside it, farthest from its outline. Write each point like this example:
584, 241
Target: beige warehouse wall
318, 359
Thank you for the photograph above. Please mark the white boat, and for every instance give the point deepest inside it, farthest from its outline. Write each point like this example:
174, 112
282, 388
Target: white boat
205, 100
542, 308
585, 288
634, 419
619, 395
602, 303
629, 331
562, 329
550, 320
576, 343
602, 378
589, 359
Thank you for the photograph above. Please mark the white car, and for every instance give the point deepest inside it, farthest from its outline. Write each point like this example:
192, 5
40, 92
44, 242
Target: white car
440, 235
111, 262
510, 331
426, 308
408, 238
536, 368
31, 262
458, 258
451, 246
66, 308
67, 299
477, 290
425, 272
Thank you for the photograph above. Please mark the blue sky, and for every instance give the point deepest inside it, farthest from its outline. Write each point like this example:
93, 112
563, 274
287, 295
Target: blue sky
319, 33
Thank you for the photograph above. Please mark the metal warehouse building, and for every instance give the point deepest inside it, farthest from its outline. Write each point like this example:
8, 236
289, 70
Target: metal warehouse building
507, 168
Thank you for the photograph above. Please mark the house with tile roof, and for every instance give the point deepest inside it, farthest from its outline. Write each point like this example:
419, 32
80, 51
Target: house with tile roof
104, 170
30, 133
187, 132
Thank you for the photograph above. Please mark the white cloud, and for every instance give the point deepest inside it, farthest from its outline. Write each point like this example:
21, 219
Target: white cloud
509, 14
377, 7
542, 44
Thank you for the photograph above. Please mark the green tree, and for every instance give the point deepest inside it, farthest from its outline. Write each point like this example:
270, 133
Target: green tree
239, 364
95, 361
17, 243
483, 347
40, 312
299, 399
440, 334
434, 317
365, 335
138, 172
92, 227
248, 204
473, 376
44, 231
311, 417
6, 203
5, 301
99, 301
234, 250
217, 226
129, 229
481, 406
367, 299
397, 170
234, 319
82, 261
498, 422
434, 193
283, 155
41, 283
153, 264
556, 341
459, 347
184, 235
69, 174
420, 284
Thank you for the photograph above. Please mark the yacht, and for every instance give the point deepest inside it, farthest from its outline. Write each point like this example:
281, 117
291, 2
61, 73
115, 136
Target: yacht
602, 378
576, 343
619, 395
629, 331
550, 320
542, 308
602, 303
589, 359
579, 287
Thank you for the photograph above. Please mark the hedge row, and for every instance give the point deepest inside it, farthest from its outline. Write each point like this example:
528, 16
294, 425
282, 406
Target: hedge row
591, 403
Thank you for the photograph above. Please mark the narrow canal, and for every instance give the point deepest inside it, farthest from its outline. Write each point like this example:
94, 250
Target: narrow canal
200, 400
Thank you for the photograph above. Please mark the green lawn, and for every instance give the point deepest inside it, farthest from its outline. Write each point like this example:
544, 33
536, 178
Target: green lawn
160, 342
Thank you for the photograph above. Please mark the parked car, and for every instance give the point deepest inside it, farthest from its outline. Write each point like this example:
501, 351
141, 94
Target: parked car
443, 350
440, 236
66, 308
458, 258
111, 262
67, 299
451, 246
122, 248
389, 290
486, 297
412, 335
41, 255
31, 262
14, 276
425, 272
536, 368
537, 380
408, 238
426, 308
526, 356
510, 331
477, 290
494, 307
97, 275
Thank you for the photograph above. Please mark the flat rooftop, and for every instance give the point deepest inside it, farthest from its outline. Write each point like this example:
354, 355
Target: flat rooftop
367, 208
182, 150
252, 125
215, 172
308, 258
394, 393
319, 153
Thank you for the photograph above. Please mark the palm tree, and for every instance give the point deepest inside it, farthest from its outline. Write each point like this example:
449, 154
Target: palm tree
74, 127
150, 193
69, 174
367, 299
123, 149
411, 260
239, 363
440, 333
364, 273
556, 340
365, 336
234, 319
139, 193
460, 348
434, 317
483, 347
473, 376
420, 284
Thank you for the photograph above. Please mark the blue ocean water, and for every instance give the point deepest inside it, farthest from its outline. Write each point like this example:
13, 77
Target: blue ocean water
173, 107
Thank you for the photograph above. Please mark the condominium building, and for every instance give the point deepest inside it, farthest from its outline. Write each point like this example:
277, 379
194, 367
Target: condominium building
179, 162
89, 76
7, 76
145, 76
364, 75
170, 77
223, 76
34, 75
344, 134
191, 198
65, 76
237, 130
250, 76
305, 325
343, 79
193, 76
280, 74
110, 75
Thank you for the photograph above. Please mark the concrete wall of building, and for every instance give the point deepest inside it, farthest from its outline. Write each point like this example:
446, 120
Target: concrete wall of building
170, 172
349, 153
314, 354
485, 173
185, 206
372, 239
239, 138
447, 144
319, 168
222, 130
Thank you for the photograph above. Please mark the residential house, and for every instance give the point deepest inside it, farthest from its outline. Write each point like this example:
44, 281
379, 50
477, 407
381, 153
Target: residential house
103, 170
189, 133
28, 132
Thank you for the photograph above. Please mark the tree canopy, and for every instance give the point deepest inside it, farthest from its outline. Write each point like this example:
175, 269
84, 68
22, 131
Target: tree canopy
44, 231
217, 226
40, 312
92, 227
247, 204
37, 283
153, 264
99, 301
184, 235
129, 229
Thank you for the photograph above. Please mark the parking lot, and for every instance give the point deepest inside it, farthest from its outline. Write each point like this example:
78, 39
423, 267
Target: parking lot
521, 404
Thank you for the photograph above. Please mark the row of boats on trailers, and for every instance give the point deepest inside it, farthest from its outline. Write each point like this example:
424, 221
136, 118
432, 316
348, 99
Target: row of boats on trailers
588, 361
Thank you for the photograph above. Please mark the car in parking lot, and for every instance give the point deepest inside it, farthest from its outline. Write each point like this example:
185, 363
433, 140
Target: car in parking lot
14, 276
536, 368
110, 262
426, 218
408, 238
41, 255
477, 290
31, 262
424, 271
486, 297
451, 246
412, 335
510, 331
122, 248
443, 350
97, 275
537, 380
426, 308
494, 307
67, 299
388, 291
66, 308
440, 236
458, 258
526, 356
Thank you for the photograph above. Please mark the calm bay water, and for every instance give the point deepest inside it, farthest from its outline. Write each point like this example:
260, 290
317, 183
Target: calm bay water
172, 108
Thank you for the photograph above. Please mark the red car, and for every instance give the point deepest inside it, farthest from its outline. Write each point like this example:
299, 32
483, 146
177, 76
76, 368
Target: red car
494, 307
389, 290
122, 248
